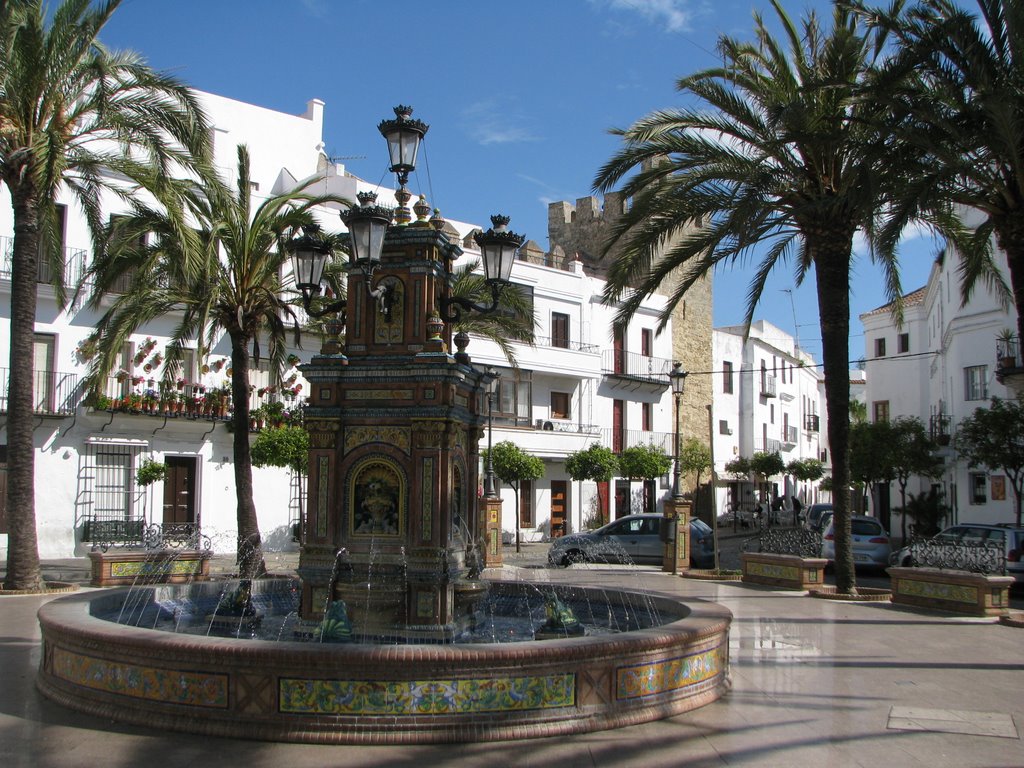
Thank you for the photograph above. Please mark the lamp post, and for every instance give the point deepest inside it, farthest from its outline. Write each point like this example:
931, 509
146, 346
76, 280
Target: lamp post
498, 249
492, 388
678, 380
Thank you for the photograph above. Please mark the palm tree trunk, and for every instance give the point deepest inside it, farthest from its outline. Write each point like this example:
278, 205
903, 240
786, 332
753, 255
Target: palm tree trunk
23, 570
832, 270
250, 548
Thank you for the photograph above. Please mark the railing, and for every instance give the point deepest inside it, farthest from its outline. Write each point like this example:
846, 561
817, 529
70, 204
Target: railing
786, 541
630, 365
74, 264
768, 445
53, 393
1008, 353
789, 435
104, 534
621, 439
812, 422
566, 425
767, 385
939, 428
987, 557
562, 343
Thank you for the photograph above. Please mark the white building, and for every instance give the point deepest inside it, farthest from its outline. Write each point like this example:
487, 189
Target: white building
580, 383
939, 366
769, 396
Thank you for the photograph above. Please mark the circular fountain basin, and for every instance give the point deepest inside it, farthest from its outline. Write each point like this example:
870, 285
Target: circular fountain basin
383, 694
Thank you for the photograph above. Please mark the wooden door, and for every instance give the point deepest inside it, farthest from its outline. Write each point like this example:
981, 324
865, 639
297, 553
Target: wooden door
619, 350
618, 425
180, 490
559, 498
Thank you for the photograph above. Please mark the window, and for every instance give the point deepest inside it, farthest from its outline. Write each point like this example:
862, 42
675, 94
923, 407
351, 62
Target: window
514, 397
646, 342
771, 414
727, 377
560, 405
647, 417
559, 330
976, 382
44, 348
723, 427
978, 487
879, 347
880, 411
903, 343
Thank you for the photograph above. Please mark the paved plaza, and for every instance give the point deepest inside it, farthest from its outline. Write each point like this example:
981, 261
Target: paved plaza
814, 683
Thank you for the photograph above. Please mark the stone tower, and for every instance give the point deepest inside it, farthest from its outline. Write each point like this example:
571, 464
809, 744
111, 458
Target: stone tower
581, 231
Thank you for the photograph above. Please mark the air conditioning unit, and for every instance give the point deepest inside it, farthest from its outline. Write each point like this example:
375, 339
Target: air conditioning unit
546, 425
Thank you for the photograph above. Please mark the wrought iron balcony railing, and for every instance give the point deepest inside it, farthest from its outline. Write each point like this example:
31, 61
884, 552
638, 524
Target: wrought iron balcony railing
53, 393
630, 365
767, 385
620, 439
812, 422
1008, 353
73, 259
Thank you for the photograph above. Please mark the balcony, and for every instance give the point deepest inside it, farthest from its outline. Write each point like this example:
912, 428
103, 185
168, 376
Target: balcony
812, 422
767, 385
767, 445
562, 343
620, 439
566, 425
74, 264
789, 438
939, 428
1009, 366
630, 367
53, 393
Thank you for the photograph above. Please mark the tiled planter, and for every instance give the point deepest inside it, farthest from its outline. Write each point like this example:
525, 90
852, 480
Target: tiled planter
969, 594
117, 569
787, 571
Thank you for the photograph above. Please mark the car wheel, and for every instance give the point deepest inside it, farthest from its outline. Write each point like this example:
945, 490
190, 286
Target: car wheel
573, 557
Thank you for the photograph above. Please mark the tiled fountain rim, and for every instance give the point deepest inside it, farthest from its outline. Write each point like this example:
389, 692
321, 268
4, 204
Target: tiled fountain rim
612, 680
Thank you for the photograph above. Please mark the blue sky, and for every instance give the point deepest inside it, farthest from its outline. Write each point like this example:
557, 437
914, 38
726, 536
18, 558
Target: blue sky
519, 98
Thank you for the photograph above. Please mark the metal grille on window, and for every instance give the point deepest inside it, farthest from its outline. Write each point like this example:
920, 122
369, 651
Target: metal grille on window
113, 506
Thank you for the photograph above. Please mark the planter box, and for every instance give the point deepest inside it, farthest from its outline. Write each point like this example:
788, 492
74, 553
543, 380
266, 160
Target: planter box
969, 594
787, 571
115, 569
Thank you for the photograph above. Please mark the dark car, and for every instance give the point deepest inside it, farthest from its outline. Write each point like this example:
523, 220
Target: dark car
631, 539
816, 518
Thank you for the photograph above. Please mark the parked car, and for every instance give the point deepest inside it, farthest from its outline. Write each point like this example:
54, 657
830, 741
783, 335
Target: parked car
631, 539
1010, 537
813, 517
871, 546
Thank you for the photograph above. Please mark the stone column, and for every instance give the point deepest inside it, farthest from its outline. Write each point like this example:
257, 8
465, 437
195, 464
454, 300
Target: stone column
491, 511
677, 553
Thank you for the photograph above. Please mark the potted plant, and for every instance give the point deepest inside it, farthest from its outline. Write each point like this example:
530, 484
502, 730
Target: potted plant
150, 471
1006, 348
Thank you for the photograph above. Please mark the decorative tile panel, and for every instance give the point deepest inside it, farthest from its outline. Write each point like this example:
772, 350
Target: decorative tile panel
426, 697
670, 675
175, 567
323, 484
427, 500
772, 571
379, 394
399, 437
194, 689
958, 593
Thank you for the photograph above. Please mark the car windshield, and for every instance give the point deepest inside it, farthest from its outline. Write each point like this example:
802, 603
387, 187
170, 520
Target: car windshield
865, 528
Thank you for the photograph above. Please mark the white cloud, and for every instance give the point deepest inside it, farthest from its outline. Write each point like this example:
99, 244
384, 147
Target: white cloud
675, 15
316, 8
487, 124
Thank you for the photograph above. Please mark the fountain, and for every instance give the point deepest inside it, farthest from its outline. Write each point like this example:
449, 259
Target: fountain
390, 556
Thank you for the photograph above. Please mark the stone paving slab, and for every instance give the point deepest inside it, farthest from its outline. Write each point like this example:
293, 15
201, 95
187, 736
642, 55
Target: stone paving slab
952, 721
815, 683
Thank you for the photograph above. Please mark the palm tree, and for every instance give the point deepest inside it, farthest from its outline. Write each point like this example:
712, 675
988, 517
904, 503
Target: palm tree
963, 112
781, 154
513, 321
216, 261
70, 111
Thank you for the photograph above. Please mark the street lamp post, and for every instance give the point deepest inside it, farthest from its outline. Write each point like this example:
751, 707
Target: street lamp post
678, 380
492, 386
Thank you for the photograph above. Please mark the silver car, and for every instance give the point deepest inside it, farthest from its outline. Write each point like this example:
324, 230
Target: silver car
871, 546
1009, 538
630, 539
